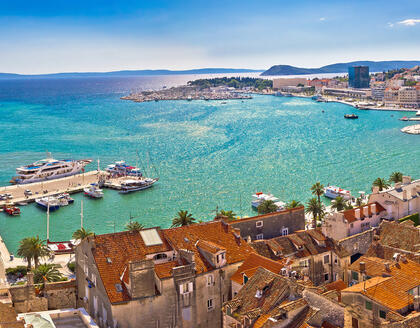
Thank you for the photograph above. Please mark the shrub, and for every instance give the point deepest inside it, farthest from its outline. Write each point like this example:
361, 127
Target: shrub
71, 266
19, 270
413, 217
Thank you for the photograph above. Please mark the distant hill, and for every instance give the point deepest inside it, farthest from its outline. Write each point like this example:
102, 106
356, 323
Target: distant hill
135, 73
378, 66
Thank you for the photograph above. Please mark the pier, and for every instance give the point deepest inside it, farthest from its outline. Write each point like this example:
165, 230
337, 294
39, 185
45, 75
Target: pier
71, 184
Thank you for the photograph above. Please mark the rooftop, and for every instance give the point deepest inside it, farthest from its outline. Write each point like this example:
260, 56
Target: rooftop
372, 208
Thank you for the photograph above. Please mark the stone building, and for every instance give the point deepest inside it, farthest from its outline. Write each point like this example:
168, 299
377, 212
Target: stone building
339, 225
313, 256
176, 277
271, 225
401, 200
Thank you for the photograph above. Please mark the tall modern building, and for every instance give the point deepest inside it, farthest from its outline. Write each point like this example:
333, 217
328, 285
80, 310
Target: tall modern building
359, 77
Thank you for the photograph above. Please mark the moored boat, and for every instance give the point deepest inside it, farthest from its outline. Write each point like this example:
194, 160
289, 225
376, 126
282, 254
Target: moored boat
122, 169
260, 197
65, 199
351, 116
418, 113
93, 191
11, 210
128, 186
334, 191
50, 203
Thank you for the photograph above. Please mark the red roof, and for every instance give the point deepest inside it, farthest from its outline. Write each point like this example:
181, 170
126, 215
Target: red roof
351, 216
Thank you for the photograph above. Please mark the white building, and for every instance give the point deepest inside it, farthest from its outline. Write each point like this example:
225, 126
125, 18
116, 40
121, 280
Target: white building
378, 90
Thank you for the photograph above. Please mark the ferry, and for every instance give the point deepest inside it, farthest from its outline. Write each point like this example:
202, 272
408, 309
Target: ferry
93, 191
11, 210
128, 186
259, 197
50, 203
48, 169
120, 168
333, 192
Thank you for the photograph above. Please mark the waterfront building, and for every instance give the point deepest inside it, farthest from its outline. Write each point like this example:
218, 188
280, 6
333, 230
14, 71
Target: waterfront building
383, 293
347, 93
319, 83
359, 77
176, 277
285, 82
313, 256
271, 225
378, 90
407, 97
399, 201
391, 96
339, 225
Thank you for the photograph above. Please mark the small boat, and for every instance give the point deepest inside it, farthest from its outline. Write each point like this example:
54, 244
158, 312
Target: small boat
334, 191
93, 191
351, 116
259, 197
405, 118
11, 210
64, 199
50, 202
418, 113
128, 186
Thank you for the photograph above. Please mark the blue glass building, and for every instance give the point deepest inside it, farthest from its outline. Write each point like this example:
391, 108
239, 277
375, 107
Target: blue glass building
359, 77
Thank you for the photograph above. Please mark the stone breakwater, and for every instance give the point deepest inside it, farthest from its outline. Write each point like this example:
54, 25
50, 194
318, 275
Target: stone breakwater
412, 129
187, 93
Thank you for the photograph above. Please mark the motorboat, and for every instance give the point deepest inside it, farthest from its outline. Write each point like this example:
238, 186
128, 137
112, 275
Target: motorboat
334, 192
351, 116
48, 169
260, 197
418, 113
11, 210
131, 185
65, 199
50, 203
93, 191
120, 168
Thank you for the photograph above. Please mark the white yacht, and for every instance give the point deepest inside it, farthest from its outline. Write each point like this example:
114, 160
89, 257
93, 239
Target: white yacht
48, 169
334, 191
128, 186
259, 197
93, 191
50, 203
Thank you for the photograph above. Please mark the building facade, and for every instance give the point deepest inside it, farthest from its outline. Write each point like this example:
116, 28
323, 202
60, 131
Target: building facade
359, 77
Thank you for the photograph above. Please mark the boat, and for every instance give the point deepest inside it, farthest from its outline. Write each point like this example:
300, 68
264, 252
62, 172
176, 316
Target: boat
351, 116
405, 118
259, 197
128, 186
93, 191
64, 199
11, 210
120, 168
418, 113
48, 169
50, 203
334, 191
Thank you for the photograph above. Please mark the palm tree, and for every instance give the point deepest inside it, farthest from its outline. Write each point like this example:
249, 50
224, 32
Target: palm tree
183, 219
25, 251
82, 233
293, 204
318, 190
396, 177
359, 202
47, 273
267, 206
228, 215
134, 226
338, 204
316, 208
381, 183
348, 206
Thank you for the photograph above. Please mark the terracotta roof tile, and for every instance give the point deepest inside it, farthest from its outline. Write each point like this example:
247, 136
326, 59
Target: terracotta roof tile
351, 216
210, 247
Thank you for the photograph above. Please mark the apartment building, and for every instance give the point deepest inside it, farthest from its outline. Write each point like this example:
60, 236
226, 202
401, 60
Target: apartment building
378, 90
284, 82
407, 97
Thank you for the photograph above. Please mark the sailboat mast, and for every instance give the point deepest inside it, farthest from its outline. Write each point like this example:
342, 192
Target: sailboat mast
48, 221
81, 214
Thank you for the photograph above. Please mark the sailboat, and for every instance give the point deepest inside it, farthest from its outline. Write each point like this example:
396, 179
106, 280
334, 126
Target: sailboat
58, 247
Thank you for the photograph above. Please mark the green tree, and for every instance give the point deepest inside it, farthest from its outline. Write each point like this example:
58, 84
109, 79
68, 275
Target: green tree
293, 204
82, 233
359, 202
47, 273
183, 219
381, 183
134, 226
25, 251
267, 206
229, 215
338, 204
316, 208
395, 177
33, 248
318, 190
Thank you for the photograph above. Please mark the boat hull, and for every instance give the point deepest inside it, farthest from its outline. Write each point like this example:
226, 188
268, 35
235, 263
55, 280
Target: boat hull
45, 207
127, 190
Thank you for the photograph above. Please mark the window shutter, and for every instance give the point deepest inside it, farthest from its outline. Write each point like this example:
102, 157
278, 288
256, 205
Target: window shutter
180, 289
190, 286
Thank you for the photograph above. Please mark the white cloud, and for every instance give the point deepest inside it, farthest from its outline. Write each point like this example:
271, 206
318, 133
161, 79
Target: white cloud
322, 19
391, 24
409, 22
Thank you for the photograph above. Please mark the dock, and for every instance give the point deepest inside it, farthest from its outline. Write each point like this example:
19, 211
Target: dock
71, 184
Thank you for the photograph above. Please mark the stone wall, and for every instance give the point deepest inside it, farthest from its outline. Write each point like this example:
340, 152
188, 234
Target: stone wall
61, 295
273, 224
358, 243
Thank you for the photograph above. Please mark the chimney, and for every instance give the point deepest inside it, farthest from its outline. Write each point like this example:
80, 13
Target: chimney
365, 211
404, 194
373, 208
387, 267
357, 213
142, 278
406, 179
398, 185
362, 267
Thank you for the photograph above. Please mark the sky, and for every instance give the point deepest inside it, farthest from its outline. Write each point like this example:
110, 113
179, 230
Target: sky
99, 35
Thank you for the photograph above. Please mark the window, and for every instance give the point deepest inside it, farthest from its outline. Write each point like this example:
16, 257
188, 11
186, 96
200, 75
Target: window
186, 288
259, 224
210, 280
245, 279
284, 231
355, 275
351, 225
160, 256
326, 276
209, 304
304, 263
368, 305
260, 236
326, 259
382, 314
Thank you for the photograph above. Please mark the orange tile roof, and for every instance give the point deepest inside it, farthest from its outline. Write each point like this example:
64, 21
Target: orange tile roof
350, 214
252, 263
338, 285
164, 270
258, 217
210, 247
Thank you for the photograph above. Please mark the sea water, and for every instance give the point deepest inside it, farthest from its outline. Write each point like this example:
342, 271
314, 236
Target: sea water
208, 154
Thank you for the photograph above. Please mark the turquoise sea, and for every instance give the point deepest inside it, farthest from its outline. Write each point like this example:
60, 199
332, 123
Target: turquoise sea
207, 154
